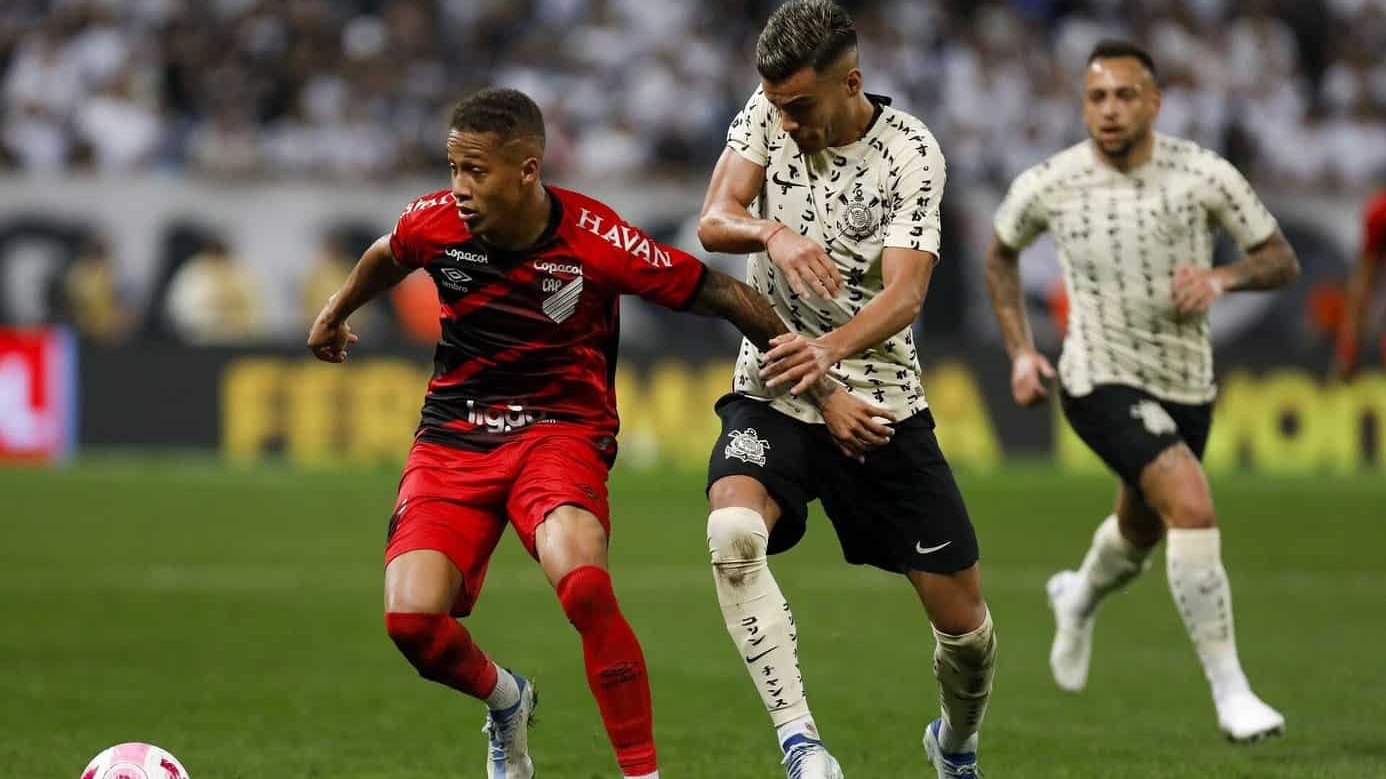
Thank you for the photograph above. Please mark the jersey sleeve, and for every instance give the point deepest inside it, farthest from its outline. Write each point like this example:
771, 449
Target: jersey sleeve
749, 132
404, 239
1021, 217
916, 220
1235, 206
1374, 229
636, 264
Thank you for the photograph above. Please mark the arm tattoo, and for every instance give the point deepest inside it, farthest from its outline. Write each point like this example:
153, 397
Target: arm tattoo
722, 296
1268, 266
1003, 284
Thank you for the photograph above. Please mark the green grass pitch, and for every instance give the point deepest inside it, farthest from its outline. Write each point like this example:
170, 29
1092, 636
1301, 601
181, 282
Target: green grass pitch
233, 617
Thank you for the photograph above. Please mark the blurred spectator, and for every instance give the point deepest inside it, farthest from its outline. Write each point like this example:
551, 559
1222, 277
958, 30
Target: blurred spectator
326, 272
361, 89
417, 310
213, 299
93, 297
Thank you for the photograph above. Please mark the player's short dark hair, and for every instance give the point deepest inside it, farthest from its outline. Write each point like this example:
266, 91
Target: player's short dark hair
1112, 48
802, 34
509, 113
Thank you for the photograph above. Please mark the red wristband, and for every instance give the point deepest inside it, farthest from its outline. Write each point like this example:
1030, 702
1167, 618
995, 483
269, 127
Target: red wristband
766, 242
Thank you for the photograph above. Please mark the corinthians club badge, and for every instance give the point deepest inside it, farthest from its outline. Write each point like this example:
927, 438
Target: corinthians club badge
860, 219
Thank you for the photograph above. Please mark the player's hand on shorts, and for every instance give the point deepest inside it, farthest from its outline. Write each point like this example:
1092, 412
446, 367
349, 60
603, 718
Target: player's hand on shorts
856, 426
804, 263
1195, 289
329, 338
1029, 373
794, 358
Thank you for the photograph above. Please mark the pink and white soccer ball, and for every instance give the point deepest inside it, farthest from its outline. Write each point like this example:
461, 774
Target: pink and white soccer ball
134, 761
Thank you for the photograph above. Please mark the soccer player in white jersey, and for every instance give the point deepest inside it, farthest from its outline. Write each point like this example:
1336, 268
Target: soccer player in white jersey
835, 195
1132, 213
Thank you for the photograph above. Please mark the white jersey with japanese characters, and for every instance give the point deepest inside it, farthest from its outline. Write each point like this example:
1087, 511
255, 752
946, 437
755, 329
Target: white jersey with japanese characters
855, 200
1120, 235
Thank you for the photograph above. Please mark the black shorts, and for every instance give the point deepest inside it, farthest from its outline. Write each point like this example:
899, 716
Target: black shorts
900, 510
1128, 427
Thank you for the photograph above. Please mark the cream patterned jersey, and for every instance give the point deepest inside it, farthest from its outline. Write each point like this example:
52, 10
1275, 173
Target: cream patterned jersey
882, 191
1120, 235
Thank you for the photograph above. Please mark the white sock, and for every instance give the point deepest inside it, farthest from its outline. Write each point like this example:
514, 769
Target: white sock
506, 694
654, 775
1204, 599
755, 611
799, 726
964, 666
1110, 564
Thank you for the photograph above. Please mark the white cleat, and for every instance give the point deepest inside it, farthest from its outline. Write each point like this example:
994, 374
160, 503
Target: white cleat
809, 759
1245, 719
1071, 652
949, 766
508, 731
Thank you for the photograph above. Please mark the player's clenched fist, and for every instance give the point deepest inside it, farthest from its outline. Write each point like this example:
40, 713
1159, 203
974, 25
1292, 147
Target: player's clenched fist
855, 425
1195, 289
1029, 372
804, 263
329, 337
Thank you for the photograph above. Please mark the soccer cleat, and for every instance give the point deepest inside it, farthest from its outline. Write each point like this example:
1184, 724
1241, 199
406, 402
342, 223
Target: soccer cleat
1245, 718
508, 731
957, 765
807, 758
1071, 651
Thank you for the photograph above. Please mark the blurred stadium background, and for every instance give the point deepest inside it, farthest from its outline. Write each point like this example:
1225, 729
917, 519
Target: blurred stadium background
183, 182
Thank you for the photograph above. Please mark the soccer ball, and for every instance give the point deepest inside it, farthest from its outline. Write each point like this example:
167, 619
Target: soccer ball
134, 761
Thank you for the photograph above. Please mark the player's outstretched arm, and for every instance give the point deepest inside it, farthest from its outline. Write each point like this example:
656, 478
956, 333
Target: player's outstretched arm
1268, 265
856, 426
1354, 315
1029, 368
726, 225
376, 272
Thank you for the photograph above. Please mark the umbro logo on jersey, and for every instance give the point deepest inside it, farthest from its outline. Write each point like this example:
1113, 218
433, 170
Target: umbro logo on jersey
454, 278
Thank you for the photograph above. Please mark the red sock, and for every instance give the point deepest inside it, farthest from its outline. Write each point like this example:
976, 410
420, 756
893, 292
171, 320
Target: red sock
443, 651
615, 667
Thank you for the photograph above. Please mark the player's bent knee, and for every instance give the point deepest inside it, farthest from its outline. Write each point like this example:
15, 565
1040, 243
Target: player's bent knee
1191, 510
736, 535
415, 635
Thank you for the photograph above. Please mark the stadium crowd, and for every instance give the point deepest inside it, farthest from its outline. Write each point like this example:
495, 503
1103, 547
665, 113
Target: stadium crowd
1294, 91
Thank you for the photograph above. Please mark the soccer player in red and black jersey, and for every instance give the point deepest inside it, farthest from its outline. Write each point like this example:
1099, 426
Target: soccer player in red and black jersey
1365, 276
519, 420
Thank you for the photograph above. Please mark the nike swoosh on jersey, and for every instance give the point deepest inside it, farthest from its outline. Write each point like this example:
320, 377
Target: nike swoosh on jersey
775, 179
921, 549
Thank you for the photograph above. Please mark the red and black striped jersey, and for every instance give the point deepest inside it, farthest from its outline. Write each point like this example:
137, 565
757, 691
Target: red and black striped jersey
529, 337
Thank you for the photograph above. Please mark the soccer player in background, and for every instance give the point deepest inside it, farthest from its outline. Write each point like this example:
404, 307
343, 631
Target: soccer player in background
519, 420
1365, 275
1131, 211
835, 195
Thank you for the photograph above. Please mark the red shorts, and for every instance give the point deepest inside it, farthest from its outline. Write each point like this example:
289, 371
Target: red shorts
458, 502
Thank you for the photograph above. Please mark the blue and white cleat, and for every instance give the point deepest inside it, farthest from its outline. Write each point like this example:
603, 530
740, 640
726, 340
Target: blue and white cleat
807, 758
958, 765
508, 751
